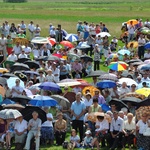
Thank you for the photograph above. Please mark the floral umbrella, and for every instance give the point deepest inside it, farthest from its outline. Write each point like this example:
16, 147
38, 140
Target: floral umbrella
91, 89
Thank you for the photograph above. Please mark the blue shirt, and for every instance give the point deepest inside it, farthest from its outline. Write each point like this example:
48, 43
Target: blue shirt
78, 108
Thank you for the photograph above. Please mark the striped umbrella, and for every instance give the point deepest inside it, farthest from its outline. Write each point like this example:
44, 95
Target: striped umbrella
72, 37
118, 66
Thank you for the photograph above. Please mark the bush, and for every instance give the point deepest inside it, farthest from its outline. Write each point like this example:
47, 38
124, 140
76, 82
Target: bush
15, 1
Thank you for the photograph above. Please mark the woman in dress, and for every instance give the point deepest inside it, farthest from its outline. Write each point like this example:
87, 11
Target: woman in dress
9, 44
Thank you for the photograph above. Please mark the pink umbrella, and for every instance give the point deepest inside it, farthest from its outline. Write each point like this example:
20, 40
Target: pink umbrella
28, 92
57, 55
52, 41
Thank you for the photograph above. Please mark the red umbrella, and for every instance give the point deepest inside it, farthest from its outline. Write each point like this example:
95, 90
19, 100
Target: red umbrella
52, 41
57, 55
67, 44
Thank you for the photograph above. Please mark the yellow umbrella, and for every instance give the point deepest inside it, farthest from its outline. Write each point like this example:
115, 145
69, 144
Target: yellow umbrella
92, 90
21, 41
3, 70
134, 21
144, 91
135, 44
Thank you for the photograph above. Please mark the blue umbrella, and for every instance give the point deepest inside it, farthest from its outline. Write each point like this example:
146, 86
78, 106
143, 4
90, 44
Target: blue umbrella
43, 101
72, 37
145, 67
141, 86
106, 84
11, 82
7, 101
124, 51
49, 86
83, 45
147, 45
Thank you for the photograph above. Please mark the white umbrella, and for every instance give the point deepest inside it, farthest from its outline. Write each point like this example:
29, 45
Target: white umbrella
40, 40
128, 81
103, 34
68, 82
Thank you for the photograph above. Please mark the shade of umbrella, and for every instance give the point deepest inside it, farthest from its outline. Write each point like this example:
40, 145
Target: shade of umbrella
103, 34
91, 90
43, 101
8, 75
119, 104
27, 113
21, 41
43, 58
109, 76
32, 64
72, 37
73, 56
144, 91
145, 102
86, 58
134, 60
96, 73
2, 91
143, 28
133, 94
106, 84
49, 86
32, 73
58, 55
134, 43
22, 60
83, 84
83, 46
67, 44
118, 66
21, 75
128, 81
123, 52
3, 70
7, 101
21, 98
145, 31
19, 66
40, 40
3, 81
132, 100
147, 45
145, 67
71, 96
136, 63
14, 106
52, 41
11, 82
68, 82
53, 58
134, 22
5, 63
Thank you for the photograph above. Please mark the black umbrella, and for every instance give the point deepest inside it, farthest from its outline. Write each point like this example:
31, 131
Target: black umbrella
8, 75
134, 60
22, 60
145, 102
28, 110
53, 58
118, 103
32, 64
108, 77
43, 58
137, 63
3, 81
86, 58
21, 99
21, 75
19, 66
96, 73
132, 100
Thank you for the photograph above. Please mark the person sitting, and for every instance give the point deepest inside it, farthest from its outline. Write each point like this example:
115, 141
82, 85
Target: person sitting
34, 127
87, 140
60, 129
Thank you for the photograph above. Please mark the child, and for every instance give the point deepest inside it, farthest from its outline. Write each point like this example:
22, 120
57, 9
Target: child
88, 139
77, 75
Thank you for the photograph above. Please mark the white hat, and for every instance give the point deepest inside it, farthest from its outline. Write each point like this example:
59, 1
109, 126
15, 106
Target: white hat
88, 132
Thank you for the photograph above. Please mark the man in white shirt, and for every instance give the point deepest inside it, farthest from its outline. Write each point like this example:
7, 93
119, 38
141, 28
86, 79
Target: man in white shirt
31, 30
131, 30
52, 32
124, 89
37, 31
7, 27
56, 72
27, 49
17, 48
145, 78
147, 55
141, 43
147, 23
12, 57
3, 42
22, 55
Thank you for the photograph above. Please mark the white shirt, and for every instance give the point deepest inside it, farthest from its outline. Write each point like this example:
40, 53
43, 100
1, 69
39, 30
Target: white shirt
48, 123
3, 42
102, 125
17, 49
18, 88
124, 90
12, 57
52, 32
88, 103
21, 126
50, 78
37, 31
31, 27
131, 29
27, 50
56, 71
76, 89
142, 126
116, 124
22, 56
145, 80
147, 55
127, 126
36, 53
48, 52
141, 41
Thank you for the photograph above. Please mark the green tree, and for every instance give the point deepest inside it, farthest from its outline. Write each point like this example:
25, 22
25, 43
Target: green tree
14, 1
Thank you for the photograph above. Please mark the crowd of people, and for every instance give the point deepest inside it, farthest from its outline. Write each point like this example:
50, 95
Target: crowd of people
114, 126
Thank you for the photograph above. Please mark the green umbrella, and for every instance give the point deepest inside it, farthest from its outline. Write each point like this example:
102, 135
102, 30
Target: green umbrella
73, 56
145, 31
10, 63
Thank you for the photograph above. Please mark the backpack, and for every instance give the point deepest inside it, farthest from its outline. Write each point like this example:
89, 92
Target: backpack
65, 144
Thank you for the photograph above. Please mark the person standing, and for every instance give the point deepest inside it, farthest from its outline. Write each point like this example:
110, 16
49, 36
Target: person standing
23, 27
96, 57
31, 30
141, 43
9, 44
131, 30
3, 43
78, 110
37, 31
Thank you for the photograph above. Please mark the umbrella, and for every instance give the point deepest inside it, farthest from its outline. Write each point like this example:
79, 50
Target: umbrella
43, 58
11, 82
8, 75
133, 94
21, 75
128, 81
43, 101
91, 89
40, 40
7, 101
21, 98
49, 86
103, 34
132, 100
109, 76
22, 60
7, 62
71, 96
144, 91
145, 102
124, 51
118, 66
67, 44
83, 46
72, 37
134, 60
53, 58
113, 55
147, 61
143, 28
83, 83
147, 45
134, 43
14, 106
136, 63
119, 104
32, 73
27, 113
52, 41
28, 92
2, 91
106, 84
73, 56
3, 81
19, 66
96, 73
86, 58
68, 82
21, 41
32, 64
145, 67
134, 22
58, 55
3, 70
145, 31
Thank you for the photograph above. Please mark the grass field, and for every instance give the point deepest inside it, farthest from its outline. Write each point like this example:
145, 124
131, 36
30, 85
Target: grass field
68, 12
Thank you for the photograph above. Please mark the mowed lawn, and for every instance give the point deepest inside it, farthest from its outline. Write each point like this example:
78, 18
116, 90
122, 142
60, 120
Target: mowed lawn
68, 12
